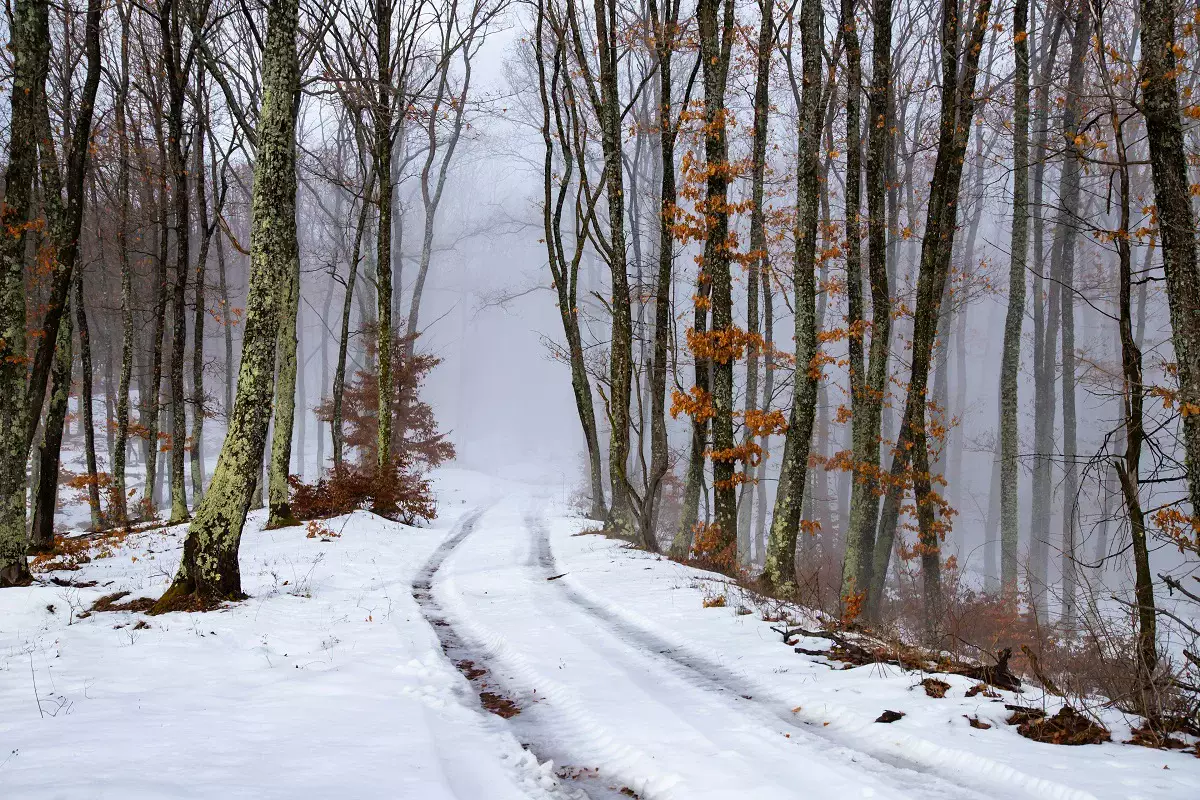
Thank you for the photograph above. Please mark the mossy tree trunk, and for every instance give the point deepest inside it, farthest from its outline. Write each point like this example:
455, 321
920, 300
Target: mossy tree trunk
119, 510
383, 168
285, 403
49, 451
1010, 362
716, 43
1168, 163
958, 104
780, 568
209, 570
170, 26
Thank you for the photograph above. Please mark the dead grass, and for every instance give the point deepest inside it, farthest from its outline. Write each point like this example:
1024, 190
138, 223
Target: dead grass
1067, 727
111, 602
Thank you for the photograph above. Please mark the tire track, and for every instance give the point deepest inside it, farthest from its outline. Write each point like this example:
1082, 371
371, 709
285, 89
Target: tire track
574, 783
949, 775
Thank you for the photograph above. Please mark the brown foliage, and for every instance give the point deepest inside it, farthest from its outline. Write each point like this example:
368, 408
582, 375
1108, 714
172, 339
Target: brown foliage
110, 602
401, 492
935, 687
1068, 726
398, 494
416, 442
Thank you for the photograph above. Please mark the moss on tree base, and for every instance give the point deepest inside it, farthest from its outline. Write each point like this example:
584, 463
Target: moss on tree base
187, 597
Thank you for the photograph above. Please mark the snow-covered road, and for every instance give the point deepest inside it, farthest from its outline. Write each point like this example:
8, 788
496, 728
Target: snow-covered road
338, 678
614, 698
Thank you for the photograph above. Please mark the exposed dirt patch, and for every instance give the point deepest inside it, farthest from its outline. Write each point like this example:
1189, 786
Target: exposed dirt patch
890, 716
935, 688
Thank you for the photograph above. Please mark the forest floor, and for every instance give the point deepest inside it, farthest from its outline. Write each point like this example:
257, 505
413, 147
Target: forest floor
368, 657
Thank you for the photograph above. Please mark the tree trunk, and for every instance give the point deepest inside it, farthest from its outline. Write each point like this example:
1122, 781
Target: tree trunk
756, 274
1010, 361
85, 404
714, 59
1168, 163
780, 568
854, 572
1065, 232
285, 402
957, 111
383, 168
209, 570
868, 406
337, 434
120, 510
172, 42
41, 537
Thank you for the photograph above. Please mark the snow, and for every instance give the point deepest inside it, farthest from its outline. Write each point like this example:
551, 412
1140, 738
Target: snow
330, 680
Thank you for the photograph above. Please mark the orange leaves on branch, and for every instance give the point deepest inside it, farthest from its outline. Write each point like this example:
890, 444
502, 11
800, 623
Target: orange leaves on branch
721, 346
765, 423
696, 403
1183, 531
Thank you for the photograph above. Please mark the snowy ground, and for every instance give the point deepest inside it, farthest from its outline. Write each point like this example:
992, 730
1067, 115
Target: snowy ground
334, 680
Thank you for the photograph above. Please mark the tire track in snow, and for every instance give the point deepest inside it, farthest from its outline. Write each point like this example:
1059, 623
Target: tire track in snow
636, 717
920, 764
473, 663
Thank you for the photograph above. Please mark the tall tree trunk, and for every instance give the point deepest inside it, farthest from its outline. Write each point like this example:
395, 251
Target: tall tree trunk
172, 42
1010, 361
854, 572
1168, 163
780, 568
868, 408
151, 404
120, 510
557, 126
1065, 233
957, 111
29, 43
209, 570
383, 280
715, 43
756, 274
201, 311
1043, 425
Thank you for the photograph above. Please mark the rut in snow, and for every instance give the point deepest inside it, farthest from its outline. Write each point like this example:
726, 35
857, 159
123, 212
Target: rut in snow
577, 783
933, 780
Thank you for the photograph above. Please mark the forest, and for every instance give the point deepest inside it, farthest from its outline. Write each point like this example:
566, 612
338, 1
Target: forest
876, 322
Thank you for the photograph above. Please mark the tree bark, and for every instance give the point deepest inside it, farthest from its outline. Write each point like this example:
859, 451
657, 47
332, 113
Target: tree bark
85, 403
41, 537
209, 570
1010, 361
1168, 163
120, 510
172, 43
957, 111
280, 508
780, 567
